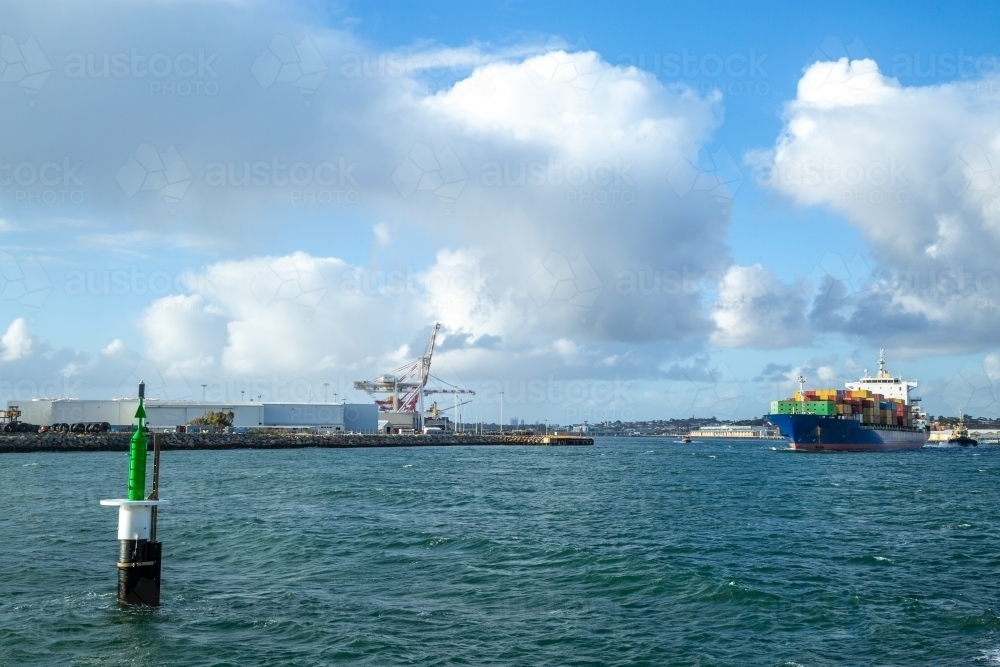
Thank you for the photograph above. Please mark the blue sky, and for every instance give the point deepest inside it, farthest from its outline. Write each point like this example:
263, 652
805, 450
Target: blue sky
646, 212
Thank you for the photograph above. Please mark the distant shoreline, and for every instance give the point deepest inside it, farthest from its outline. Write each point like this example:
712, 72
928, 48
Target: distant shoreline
118, 442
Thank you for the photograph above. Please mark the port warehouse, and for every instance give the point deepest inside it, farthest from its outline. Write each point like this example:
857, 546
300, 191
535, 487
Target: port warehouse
167, 415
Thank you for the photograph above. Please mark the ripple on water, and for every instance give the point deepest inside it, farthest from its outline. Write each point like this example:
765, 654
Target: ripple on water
724, 554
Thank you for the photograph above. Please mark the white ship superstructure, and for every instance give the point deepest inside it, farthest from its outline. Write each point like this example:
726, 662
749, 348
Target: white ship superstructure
884, 383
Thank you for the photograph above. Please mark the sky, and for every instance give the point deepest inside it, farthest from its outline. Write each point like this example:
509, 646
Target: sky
614, 212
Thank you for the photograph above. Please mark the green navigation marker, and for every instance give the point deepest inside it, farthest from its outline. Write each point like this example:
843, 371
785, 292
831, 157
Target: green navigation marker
137, 453
139, 554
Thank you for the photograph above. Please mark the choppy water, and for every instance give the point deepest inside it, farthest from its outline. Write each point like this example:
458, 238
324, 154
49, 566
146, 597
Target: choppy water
631, 552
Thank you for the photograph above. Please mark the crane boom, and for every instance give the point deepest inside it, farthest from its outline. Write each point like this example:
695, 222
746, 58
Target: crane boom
406, 384
425, 370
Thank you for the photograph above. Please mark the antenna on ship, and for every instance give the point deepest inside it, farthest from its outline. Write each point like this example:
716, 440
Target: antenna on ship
881, 363
802, 388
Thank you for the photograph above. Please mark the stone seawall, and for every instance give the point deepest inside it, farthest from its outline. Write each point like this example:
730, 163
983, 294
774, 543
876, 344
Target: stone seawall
118, 442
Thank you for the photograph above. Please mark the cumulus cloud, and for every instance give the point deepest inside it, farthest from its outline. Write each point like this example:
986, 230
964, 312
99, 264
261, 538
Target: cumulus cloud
31, 368
18, 341
509, 191
294, 315
516, 153
917, 170
754, 309
113, 348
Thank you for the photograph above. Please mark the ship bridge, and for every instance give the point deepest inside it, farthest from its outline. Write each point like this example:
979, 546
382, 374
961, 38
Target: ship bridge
884, 383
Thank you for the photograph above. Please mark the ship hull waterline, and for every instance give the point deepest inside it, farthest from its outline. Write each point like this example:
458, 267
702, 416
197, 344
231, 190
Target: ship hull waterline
813, 433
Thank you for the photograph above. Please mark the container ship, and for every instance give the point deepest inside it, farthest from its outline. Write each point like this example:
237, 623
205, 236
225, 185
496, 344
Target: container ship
873, 414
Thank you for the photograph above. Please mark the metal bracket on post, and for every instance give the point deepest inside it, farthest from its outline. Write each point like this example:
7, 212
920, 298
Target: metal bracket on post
155, 493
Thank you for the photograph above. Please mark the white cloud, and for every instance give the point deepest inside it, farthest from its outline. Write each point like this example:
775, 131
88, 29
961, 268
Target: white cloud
293, 315
183, 334
844, 83
754, 309
571, 352
917, 171
542, 157
113, 348
629, 109
18, 341
383, 236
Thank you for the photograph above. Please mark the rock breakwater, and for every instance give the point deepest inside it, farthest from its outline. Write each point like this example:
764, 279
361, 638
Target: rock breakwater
118, 442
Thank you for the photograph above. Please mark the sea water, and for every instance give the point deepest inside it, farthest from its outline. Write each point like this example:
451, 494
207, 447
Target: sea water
638, 551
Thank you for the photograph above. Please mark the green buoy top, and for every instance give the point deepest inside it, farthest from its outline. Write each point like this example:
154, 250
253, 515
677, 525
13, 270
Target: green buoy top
137, 452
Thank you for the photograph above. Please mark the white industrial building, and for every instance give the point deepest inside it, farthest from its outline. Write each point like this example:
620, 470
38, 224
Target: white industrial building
167, 415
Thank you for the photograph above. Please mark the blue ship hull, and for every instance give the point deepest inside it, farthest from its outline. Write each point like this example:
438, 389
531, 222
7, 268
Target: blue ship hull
815, 433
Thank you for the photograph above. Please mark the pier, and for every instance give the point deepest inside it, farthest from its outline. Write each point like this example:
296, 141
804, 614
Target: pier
119, 442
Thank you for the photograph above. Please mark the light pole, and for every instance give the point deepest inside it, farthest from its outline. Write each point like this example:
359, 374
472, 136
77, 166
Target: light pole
546, 427
326, 385
242, 391
204, 387
501, 413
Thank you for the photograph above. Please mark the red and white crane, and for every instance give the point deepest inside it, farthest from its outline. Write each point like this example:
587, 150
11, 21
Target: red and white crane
407, 384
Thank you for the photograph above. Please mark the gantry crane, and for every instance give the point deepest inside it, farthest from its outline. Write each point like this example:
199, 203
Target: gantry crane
407, 385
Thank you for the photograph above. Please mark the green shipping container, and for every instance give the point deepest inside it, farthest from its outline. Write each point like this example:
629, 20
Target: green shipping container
821, 408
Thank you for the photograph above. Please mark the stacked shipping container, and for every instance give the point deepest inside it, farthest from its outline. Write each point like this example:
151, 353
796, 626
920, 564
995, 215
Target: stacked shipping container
861, 405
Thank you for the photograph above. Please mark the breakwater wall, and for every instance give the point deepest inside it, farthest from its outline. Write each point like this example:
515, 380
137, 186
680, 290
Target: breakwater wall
118, 442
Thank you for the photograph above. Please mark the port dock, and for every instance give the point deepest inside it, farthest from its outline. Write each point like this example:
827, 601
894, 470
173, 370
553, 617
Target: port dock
119, 442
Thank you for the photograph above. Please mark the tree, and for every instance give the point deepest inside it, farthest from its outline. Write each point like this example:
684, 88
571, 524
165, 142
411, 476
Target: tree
216, 419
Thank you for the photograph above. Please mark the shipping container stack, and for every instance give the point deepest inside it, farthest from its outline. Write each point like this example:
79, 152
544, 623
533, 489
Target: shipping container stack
861, 405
